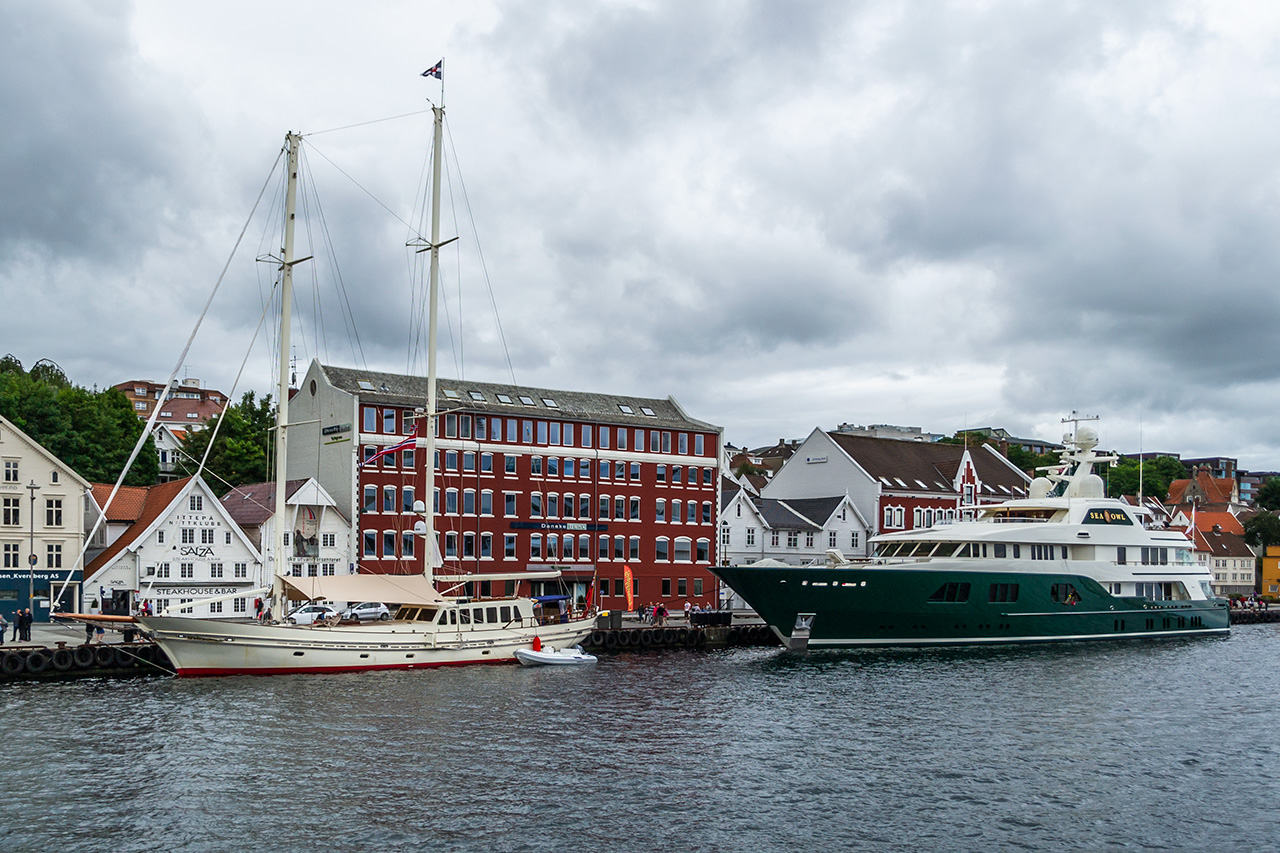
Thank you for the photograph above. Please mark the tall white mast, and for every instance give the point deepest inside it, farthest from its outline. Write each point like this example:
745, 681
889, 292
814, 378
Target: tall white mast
428, 560
292, 141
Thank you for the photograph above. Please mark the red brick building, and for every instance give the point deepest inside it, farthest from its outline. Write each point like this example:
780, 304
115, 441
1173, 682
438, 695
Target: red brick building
527, 479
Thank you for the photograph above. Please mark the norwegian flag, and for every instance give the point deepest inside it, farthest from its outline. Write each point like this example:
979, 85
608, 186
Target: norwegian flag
435, 71
411, 441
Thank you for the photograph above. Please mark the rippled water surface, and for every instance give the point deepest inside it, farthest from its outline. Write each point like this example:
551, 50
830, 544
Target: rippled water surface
1122, 746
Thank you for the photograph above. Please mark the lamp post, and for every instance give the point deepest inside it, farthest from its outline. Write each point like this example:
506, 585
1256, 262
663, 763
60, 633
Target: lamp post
31, 558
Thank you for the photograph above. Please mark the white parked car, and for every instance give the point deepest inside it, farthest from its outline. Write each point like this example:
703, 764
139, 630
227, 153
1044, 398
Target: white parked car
367, 611
309, 613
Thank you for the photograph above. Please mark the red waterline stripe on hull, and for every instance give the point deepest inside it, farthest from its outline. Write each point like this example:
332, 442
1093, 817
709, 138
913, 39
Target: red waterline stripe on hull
202, 672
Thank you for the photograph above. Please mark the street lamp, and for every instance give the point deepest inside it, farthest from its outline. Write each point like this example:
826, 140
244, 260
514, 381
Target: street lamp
31, 558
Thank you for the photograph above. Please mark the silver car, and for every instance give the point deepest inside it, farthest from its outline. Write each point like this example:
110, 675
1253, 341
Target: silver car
368, 611
309, 613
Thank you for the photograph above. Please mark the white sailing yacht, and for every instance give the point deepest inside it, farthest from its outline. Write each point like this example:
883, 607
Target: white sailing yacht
428, 629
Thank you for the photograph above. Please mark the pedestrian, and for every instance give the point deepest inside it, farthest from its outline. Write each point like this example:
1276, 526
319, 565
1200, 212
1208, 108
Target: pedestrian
24, 625
688, 608
88, 633
102, 634
4, 625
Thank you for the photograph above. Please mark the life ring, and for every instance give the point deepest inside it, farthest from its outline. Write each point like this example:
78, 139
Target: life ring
63, 660
37, 662
12, 663
104, 656
83, 656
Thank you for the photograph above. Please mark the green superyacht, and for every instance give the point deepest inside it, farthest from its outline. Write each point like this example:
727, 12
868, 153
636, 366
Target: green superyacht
1065, 563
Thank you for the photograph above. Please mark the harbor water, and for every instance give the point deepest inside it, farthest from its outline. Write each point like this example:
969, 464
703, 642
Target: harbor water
1143, 745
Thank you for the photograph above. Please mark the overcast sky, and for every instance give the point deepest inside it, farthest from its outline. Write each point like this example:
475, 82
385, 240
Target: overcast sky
785, 215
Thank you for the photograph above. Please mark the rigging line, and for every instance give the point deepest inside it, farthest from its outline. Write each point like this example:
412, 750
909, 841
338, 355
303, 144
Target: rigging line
416, 261
231, 396
497, 319
357, 349
320, 335
145, 435
461, 356
364, 123
362, 188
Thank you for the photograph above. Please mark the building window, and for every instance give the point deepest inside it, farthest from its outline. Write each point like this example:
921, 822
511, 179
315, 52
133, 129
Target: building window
703, 552
831, 539
370, 420
451, 544
188, 536
242, 570
10, 556
186, 570
684, 549
196, 503
53, 556
370, 543
206, 536
389, 421
808, 540
666, 582
53, 512
12, 513
509, 546
215, 570
698, 445
634, 548
751, 536
793, 538
853, 539
635, 509
535, 546
660, 510
370, 499
486, 546
773, 539
662, 550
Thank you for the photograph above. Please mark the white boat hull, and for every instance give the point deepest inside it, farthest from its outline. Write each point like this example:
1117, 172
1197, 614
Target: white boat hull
574, 656
204, 647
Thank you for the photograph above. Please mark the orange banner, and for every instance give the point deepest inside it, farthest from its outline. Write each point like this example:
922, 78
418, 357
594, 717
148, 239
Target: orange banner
626, 580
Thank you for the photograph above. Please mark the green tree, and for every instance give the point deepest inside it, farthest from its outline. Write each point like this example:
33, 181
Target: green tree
92, 432
241, 452
1269, 494
1262, 530
1154, 476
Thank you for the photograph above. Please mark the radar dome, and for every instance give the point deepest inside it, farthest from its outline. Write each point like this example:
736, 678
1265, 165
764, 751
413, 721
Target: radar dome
1087, 437
1039, 487
1089, 486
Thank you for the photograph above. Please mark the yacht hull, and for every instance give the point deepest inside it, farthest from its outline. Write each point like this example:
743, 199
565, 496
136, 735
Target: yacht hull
203, 647
885, 605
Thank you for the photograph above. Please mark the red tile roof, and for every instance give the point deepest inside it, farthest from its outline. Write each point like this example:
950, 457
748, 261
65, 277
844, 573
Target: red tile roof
127, 505
158, 499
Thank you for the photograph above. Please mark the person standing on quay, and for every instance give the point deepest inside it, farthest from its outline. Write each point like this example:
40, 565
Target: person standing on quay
26, 625
687, 609
4, 624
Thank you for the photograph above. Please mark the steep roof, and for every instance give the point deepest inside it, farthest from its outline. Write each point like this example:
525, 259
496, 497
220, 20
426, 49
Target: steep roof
1222, 544
808, 514
128, 503
401, 390
922, 466
158, 499
1227, 522
1207, 489
252, 504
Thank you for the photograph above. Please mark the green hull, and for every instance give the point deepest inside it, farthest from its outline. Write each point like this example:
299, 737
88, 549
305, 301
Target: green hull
878, 605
